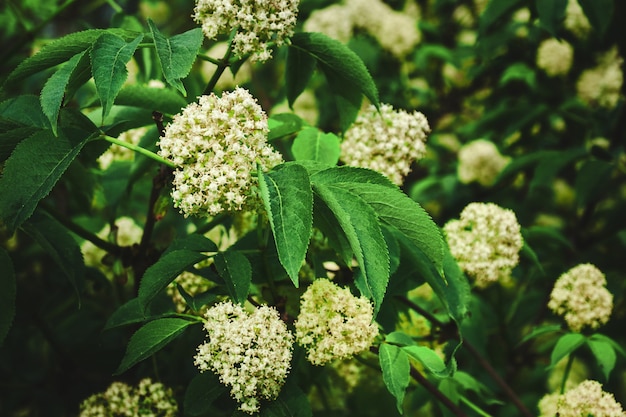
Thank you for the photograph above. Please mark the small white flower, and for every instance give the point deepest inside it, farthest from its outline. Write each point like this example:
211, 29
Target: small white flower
480, 161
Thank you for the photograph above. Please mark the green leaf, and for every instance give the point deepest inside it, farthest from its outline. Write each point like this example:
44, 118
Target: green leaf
458, 291
283, 124
399, 338
396, 369
343, 69
164, 271
348, 174
53, 91
428, 357
128, 313
31, 171
12, 134
236, 271
164, 100
604, 353
494, 12
566, 345
538, 331
360, 225
395, 208
551, 14
109, 56
177, 54
61, 50
151, 338
599, 13
203, 389
616, 346
7, 295
193, 242
299, 70
519, 72
55, 239
291, 402
288, 200
313, 144
25, 109
592, 180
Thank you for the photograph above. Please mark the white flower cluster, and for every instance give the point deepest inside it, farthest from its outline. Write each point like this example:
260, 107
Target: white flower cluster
586, 399
150, 399
387, 142
250, 352
485, 241
601, 85
333, 323
335, 21
480, 161
395, 31
216, 144
259, 23
581, 297
575, 20
555, 57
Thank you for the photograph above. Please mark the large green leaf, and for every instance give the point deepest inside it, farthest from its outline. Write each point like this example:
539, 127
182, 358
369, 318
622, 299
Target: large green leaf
458, 291
566, 344
164, 271
397, 209
288, 200
109, 55
360, 225
193, 242
343, 69
348, 174
283, 124
605, 354
128, 313
394, 363
599, 13
31, 171
7, 294
164, 100
25, 109
203, 389
428, 357
236, 271
313, 144
55, 239
551, 14
299, 69
176, 54
61, 50
151, 338
53, 91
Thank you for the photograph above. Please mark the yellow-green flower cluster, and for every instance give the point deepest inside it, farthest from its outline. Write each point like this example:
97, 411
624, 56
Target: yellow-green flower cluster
480, 161
601, 85
387, 142
485, 241
250, 352
149, 399
581, 297
216, 145
333, 323
259, 23
586, 399
555, 57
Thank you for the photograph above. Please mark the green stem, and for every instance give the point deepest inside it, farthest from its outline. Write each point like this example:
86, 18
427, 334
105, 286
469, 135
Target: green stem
474, 407
205, 58
139, 149
115, 6
222, 64
568, 368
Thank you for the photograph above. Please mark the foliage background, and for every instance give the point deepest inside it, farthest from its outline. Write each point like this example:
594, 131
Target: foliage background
565, 185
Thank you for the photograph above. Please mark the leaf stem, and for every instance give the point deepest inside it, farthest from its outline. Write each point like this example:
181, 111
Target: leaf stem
474, 407
140, 150
568, 368
222, 64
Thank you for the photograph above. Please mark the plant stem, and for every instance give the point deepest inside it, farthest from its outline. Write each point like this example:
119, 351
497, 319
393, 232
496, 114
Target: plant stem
568, 368
222, 64
140, 150
474, 407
